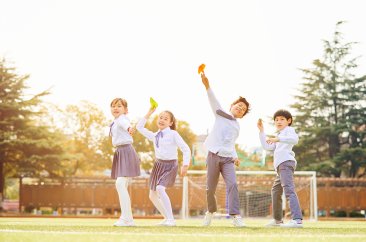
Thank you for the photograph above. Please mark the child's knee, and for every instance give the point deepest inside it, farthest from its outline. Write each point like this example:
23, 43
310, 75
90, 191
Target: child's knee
232, 186
160, 189
152, 195
289, 190
276, 192
120, 182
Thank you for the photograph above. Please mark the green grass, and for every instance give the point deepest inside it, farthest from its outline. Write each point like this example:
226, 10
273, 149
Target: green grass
87, 229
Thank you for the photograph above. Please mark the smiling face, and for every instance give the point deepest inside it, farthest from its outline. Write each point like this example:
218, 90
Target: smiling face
164, 120
117, 108
282, 122
238, 110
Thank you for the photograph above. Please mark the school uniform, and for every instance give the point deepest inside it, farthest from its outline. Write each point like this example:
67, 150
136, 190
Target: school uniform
220, 144
126, 162
166, 142
285, 166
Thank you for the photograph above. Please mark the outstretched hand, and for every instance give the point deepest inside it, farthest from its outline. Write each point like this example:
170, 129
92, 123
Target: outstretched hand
205, 80
272, 140
260, 125
151, 110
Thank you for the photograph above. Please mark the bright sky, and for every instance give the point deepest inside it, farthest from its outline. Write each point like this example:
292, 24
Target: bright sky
97, 50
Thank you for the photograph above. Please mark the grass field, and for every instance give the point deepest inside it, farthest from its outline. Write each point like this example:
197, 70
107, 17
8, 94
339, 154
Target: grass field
96, 230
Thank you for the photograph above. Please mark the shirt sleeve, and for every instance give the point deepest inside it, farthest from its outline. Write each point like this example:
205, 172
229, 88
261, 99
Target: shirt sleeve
124, 123
289, 137
184, 148
265, 145
215, 105
235, 155
144, 131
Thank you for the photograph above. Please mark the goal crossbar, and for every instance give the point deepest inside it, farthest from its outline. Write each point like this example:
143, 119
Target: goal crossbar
313, 214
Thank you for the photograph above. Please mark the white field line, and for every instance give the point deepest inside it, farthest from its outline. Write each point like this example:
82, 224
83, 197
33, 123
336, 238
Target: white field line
226, 235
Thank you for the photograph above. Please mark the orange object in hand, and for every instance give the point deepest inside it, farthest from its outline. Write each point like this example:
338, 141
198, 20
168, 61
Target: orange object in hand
201, 68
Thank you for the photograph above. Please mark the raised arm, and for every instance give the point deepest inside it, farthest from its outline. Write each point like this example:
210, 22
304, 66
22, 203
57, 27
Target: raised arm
262, 137
141, 126
215, 105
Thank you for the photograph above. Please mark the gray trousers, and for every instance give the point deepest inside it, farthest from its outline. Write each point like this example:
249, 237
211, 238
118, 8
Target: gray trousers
285, 182
224, 165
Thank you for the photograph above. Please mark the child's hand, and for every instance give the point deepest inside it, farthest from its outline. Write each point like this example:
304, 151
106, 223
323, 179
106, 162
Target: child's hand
131, 130
151, 110
237, 162
272, 140
205, 81
183, 170
260, 125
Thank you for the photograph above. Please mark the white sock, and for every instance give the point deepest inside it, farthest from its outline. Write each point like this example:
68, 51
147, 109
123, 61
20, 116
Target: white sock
165, 201
154, 197
124, 198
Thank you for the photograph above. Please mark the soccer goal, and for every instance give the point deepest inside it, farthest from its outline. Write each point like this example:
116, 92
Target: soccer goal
254, 194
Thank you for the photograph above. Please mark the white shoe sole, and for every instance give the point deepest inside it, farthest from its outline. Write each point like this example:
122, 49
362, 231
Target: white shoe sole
292, 226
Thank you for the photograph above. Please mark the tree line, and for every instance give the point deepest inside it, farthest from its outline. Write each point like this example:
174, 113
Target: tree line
40, 139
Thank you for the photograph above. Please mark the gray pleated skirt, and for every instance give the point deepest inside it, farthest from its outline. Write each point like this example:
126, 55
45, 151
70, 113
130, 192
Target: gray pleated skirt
163, 173
126, 162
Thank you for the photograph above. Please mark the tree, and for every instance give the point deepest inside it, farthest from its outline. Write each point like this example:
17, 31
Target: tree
331, 109
87, 145
21, 139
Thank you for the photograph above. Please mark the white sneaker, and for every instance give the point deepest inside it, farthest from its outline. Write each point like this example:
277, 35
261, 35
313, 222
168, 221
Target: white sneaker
292, 224
237, 221
274, 223
123, 223
162, 222
168, 223
208, 218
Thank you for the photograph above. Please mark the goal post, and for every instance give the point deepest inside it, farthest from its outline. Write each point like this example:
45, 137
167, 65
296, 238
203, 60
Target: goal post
254, 194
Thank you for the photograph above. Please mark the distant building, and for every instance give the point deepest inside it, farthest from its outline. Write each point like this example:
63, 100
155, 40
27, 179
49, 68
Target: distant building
199, 151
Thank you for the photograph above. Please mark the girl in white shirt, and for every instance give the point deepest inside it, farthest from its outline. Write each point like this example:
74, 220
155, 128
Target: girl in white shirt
126, 163
166, 141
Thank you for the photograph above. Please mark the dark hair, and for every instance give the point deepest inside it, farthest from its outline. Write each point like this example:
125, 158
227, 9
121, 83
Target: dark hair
243, 100
172, 118
116, 100
283, 113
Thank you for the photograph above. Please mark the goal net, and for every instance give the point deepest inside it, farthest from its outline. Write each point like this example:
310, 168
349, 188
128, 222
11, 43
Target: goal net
254, 194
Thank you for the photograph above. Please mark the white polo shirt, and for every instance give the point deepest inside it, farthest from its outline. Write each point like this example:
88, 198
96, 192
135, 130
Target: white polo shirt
224, 133
119, 133
282, 149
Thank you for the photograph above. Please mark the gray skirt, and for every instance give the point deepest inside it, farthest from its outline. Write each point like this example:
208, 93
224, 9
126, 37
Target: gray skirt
126, 162
163, 173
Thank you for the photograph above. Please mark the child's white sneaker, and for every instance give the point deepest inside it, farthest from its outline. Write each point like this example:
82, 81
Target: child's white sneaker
237, 221
208, 218
292, 224
123, 223
274, 223
168, 222
162, 223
